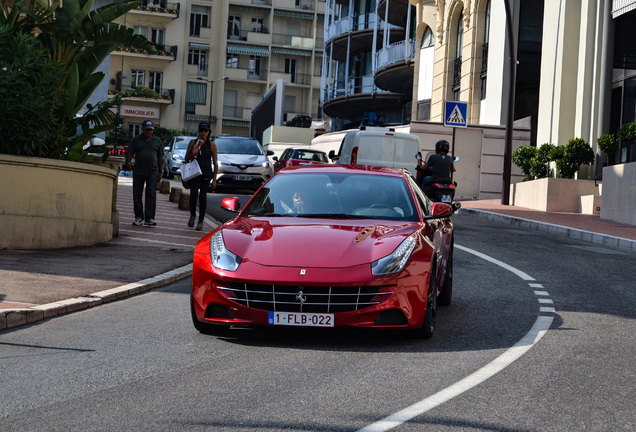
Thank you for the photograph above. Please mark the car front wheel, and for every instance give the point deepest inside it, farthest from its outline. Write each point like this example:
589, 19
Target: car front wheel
430, 314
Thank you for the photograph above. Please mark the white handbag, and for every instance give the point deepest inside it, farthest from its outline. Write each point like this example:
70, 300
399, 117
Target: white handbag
190, 170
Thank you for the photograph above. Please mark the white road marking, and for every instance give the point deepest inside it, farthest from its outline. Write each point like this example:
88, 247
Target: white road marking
534, 335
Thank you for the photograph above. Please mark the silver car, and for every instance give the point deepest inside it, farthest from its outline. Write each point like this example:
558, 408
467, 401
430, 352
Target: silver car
242, 163
174, 155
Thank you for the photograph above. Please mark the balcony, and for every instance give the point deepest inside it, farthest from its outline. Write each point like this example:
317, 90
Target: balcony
394, 68
305, 42
237, 113
164, 52
158, 8
250, 2
246, 74
295, 78
165, 96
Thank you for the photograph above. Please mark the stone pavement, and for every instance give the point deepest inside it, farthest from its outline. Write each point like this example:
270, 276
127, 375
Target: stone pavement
41, 284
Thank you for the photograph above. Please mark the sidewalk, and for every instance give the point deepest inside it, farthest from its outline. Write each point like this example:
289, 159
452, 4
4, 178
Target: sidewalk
41, 284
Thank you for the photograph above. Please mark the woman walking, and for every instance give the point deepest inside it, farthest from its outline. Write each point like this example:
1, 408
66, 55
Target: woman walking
204, 151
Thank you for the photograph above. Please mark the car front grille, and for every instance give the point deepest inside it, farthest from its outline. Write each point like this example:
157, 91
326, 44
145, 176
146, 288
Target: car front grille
316, 299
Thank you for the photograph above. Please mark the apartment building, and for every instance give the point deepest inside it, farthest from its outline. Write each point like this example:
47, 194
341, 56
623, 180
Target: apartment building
216, 59
368, 62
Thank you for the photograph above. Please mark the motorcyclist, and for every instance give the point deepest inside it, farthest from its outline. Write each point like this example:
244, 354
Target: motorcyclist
439, 166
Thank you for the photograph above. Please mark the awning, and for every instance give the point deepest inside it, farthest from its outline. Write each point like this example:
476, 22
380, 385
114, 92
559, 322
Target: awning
253, 50
620, 7
199, 46
289, 51
200, 118
290, 14
236, 123
248, 8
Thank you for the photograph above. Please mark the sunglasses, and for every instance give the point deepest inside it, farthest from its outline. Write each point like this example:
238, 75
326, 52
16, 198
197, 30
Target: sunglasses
204, 130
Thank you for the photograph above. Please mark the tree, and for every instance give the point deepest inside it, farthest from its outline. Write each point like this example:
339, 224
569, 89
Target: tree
79, 39
570, 157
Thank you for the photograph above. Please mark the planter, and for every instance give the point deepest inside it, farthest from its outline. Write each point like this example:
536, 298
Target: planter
619, 193
554, 194
51, 204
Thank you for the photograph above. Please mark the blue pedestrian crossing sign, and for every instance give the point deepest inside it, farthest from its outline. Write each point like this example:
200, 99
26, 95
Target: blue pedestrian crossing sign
455, 113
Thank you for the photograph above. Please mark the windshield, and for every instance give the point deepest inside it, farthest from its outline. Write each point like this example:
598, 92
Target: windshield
182, 143
238, 146
309, 155
334, 195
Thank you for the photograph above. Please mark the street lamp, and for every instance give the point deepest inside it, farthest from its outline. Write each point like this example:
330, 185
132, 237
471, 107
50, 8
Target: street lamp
211, 87
505, 200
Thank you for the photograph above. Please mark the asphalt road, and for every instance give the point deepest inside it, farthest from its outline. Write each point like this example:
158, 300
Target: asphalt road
138, 364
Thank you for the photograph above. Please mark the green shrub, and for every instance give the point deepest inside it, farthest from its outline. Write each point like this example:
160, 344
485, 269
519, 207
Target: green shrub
607, 143
30, 95
627, 134
570, 157
523, 157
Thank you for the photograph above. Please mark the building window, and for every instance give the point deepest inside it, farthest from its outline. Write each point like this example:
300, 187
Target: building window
234, 27
457, 65
257, 25
142, 31
155, 80
290, 68
157, 36
197, 57
136, 78
133, 130
231, 61
197, 21
425, 86
484, 53
254, 67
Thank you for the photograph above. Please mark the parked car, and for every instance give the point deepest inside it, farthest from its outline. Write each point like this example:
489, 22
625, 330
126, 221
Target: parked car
327, 246
379, 147
242, 163
299, 156
174, 155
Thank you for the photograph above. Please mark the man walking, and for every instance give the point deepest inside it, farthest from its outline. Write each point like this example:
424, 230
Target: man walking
148, 153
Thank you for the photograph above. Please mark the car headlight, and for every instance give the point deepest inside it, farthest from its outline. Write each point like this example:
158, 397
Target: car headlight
221, 257
176, 157
218, 162
396, 260
265, 164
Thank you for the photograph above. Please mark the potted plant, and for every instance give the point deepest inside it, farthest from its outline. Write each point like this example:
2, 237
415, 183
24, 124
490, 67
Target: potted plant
608, 144
570, 157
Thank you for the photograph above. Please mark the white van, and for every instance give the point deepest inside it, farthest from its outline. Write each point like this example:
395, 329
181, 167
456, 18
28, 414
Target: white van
379, 147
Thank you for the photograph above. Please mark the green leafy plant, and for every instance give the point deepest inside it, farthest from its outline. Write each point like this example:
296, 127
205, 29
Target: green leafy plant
570, 157
607, 143
533, 161
78, 39
627, 134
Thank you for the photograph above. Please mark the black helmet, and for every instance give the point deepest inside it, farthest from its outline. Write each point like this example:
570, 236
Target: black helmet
442, 146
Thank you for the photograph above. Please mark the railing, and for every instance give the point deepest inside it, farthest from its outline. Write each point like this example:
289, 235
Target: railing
162, 50
236, 112
357, 85
159, 6
285, 39
360, 22
297, 78
394, 53
306, 4
164, 94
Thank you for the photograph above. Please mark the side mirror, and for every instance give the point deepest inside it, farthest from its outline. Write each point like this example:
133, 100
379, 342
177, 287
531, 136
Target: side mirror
418, 156
333, 156
275, 158
232, 204
270, 152
166, 148
439, 211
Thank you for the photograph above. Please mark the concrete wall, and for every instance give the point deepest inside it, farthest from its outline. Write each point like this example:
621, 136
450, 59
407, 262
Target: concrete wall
618, 202
552, 194
51, 204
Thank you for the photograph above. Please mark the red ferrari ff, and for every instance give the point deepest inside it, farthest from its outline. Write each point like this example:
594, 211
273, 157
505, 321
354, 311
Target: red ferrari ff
327, 246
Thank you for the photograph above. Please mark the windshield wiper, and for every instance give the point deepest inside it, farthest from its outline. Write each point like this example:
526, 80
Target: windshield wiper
328, 215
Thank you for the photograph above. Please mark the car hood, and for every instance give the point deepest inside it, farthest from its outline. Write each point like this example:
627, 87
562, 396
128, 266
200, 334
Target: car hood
301, 242
241, 159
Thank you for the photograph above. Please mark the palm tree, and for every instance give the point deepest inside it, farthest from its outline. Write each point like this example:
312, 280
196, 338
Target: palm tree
81, 39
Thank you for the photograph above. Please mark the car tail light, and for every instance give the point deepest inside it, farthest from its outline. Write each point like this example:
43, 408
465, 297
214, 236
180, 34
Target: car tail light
354, 155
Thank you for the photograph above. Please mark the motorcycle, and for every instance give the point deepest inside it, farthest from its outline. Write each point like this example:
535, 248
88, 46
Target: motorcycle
438, 190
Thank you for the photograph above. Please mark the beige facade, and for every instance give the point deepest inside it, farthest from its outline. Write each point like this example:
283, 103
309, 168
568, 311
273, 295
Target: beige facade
252, 43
